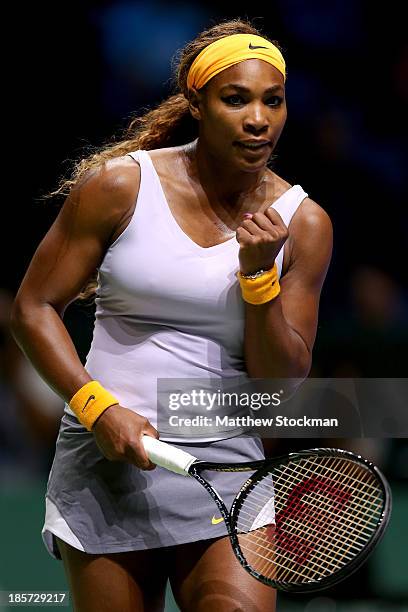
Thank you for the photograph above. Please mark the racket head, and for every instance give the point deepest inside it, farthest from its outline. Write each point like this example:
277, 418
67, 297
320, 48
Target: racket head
331, 508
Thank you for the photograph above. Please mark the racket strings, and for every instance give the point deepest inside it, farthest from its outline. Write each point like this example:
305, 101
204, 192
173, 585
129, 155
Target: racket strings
359, 527
331, 548
300, 471
327, 559
343, 544
267, 559
262, 547
363, 512
307, 529
323, 504
326, 511
356, 517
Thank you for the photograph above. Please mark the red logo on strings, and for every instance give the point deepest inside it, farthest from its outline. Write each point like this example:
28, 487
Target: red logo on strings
317, 519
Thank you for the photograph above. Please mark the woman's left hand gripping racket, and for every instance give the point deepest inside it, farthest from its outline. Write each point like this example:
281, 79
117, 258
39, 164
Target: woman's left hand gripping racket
301, 522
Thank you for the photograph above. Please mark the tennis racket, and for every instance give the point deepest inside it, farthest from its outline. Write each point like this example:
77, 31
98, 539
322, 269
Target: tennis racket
301, 522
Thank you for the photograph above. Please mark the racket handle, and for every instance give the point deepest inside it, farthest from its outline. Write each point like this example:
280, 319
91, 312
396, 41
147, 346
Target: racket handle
168, 456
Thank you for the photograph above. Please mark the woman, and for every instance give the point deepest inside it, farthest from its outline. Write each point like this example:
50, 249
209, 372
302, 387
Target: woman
189, 252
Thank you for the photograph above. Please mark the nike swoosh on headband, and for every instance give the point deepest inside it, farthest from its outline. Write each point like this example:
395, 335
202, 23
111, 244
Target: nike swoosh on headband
251, 46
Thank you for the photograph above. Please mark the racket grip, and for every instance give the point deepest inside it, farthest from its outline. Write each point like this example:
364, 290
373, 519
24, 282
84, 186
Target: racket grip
168, 456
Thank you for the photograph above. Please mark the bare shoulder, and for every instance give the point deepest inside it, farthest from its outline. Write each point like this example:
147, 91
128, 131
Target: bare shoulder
310, 241
311, 219
105, 194
114, 178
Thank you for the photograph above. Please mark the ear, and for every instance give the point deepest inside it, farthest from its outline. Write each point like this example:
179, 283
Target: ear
194, 103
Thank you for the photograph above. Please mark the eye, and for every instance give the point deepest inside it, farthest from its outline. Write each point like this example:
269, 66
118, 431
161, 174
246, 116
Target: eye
274, 101
234, 100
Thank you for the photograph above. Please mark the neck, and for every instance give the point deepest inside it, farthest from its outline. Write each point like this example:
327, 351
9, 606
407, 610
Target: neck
237, 188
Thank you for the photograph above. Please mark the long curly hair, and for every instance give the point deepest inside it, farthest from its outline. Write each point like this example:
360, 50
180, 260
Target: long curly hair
168, 124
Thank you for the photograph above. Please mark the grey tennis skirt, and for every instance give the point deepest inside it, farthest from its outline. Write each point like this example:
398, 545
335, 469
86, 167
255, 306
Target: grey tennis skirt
111, 506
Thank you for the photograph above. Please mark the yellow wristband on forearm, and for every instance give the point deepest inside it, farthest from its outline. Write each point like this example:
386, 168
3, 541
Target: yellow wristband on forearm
90, 402
261, 289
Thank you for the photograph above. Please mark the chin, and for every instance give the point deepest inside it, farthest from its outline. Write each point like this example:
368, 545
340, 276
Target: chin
251, 165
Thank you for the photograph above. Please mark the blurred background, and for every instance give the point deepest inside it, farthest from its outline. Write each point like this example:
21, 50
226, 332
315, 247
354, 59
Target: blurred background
78, 73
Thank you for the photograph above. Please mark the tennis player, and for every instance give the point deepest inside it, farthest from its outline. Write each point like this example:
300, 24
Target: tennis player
210, 265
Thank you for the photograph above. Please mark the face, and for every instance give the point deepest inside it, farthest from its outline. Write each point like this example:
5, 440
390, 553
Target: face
242, 111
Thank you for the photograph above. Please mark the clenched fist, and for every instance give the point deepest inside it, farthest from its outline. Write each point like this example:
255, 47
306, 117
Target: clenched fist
260, 237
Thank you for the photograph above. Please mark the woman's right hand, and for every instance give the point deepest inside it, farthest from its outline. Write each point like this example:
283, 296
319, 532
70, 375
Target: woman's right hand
118, 433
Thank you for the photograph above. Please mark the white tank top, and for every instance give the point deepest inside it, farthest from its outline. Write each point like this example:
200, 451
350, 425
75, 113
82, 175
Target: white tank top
167, 307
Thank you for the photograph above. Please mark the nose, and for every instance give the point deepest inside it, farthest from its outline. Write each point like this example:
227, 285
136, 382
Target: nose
256, 120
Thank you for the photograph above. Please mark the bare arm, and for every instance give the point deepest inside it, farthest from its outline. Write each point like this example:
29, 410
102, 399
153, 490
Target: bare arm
280, 334
65, 259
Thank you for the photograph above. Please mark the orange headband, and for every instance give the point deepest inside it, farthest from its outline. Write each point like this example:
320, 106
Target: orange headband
231, 50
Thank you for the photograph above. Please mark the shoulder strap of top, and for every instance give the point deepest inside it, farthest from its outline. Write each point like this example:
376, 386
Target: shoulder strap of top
150, 189
136, 155
286, 206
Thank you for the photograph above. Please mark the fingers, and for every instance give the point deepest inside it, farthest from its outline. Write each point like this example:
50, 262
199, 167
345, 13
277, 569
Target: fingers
148, 430
139, 457
119, 437
260, 220
270, 213
136, 451
269, 222
261, 227
260, 236
275, 217
259, 231
243, 235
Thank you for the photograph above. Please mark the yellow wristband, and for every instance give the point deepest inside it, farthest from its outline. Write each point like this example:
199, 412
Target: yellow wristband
90, 402
262, 289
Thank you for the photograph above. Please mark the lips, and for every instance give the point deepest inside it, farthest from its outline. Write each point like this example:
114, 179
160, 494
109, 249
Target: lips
253, 143
253, 146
